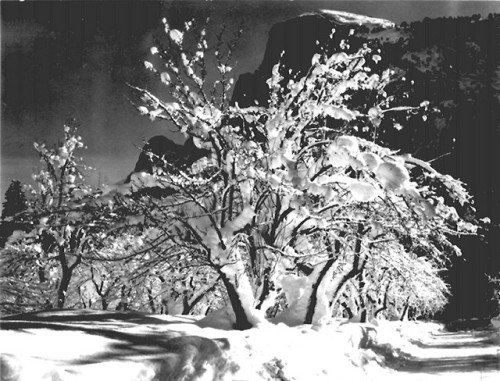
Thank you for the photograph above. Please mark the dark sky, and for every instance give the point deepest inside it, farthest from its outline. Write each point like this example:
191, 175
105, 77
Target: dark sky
73, 59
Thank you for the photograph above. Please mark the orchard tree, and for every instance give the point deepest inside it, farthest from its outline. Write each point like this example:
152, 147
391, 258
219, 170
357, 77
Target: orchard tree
66, 224
113, 273
26, 283
291, 203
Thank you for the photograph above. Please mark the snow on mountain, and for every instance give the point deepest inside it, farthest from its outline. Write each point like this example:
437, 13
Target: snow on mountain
353, 18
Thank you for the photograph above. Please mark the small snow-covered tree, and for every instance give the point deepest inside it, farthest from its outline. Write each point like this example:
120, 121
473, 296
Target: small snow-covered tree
291, 202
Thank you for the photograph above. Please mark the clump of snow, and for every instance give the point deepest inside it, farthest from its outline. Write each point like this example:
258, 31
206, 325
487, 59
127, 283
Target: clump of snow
393, 175
108, 191
176, 36
343, 151
363, 192
17, 235
298, 293
371, 160
294, 287
219, 319
143, 179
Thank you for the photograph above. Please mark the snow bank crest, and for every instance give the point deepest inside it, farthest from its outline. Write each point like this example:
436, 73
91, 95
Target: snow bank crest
353, 18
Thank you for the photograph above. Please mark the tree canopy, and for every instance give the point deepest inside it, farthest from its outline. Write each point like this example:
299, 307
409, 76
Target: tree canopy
298, 200
296, 210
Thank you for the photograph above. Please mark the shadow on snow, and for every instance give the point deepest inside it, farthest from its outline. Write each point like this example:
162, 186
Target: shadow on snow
472, 341
173, 355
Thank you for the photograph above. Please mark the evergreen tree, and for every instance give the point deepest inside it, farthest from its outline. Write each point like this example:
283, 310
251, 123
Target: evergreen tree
15, 199
15, 202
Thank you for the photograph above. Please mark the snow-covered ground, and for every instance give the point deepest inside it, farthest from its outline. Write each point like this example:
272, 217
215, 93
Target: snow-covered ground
84, 345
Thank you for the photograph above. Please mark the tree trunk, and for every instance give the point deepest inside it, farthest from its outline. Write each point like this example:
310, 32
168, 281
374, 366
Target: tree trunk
362, 297
82, 298
67, 272
357, 265
363, 316
405, 309
63, 287
347, 309
384, 303
313, 299
151, 300
266, 288
123, 305
99, 288
41, 274
242, 321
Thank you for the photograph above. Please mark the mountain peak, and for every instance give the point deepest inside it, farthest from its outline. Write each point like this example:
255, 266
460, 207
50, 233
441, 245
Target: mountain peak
160, 148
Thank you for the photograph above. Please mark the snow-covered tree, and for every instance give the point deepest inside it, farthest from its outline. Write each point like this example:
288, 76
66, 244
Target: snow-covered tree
64, 225
291, 202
